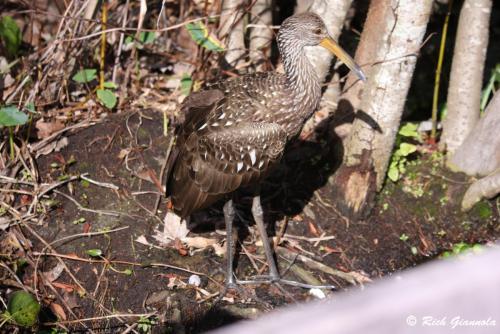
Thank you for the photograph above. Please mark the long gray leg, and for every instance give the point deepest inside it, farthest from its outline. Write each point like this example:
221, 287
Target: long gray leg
258, 216
229, 218
274, 276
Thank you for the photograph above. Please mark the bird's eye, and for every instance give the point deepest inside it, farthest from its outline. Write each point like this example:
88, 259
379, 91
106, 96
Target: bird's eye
318, 31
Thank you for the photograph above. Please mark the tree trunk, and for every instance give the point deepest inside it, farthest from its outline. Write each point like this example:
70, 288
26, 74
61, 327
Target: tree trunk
464, 91
261, 36
369, 145
479, 154
487, 187
232, 29
366, 54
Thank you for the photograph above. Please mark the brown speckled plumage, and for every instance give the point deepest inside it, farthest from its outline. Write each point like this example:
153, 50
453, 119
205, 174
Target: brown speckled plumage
236, 130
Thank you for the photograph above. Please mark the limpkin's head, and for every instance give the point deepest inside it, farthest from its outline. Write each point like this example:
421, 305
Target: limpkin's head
308, 29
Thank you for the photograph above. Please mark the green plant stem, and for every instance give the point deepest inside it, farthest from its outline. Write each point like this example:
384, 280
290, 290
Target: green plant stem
437, 78
103, 44
487, 91
6, 318
11, 143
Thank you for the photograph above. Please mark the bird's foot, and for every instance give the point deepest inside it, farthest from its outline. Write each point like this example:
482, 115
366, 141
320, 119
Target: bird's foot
233, 286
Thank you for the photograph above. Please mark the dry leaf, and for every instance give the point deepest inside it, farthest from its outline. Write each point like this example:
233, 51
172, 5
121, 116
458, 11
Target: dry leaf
123, 153
54, 146
64, 286
175, 227
142, 240
58, 311
4, 223
71, 300
86, 227
219, 249
313, 229
54, 273
144, 174
180, 247
25, 200
199, 242
45, 129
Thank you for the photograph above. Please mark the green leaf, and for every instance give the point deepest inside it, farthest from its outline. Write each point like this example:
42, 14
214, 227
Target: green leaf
129, 39
11, 116
490, 87
393, 172
110, 84
186, 84
30, 107
402, 167
446, 254
199, 33
443, 112
406, 149
23, 308
409, 130
147, 37
79, 221
94, 252
85, 75
414, 250
10, 35
107, 98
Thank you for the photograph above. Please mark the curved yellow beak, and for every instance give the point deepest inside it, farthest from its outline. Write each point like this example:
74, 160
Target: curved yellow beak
332, 46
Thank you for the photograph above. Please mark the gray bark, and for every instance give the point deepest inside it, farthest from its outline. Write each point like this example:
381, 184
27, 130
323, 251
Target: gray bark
232, 29
464, 91
479, 154
368, 147
386, 90
366, 54
485, 188
261, 36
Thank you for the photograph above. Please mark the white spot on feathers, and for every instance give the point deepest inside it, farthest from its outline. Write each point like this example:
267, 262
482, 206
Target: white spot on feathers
239, 166
253, 156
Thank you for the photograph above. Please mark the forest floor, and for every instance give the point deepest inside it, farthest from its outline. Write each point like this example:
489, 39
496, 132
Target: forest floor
96, 253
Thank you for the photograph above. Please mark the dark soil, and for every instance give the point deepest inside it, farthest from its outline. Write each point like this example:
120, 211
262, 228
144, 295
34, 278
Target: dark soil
414, 220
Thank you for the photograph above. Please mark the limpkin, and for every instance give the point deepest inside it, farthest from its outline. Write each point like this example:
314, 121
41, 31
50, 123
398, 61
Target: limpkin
236, 130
